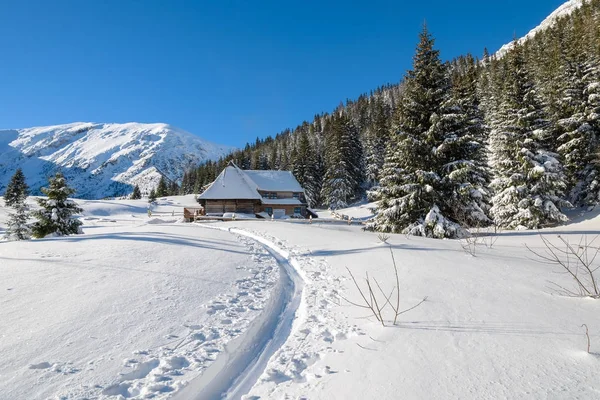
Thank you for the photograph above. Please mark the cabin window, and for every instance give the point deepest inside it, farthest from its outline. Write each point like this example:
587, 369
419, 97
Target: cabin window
269, 210
297, 210
296, 196
270, 195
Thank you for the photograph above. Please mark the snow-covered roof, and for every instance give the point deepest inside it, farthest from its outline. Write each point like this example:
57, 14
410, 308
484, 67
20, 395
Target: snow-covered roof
235, 183
232, 183
275, 181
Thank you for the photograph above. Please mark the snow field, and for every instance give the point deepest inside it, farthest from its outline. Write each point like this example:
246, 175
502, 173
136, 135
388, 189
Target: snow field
138, 309
490, 328
128, 310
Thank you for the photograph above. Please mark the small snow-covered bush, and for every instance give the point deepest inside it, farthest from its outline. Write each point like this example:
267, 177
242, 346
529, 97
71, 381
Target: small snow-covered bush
435, 225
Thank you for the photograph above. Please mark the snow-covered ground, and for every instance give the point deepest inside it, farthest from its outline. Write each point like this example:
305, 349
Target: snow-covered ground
491, 327
360, 212
140, 307
132, 308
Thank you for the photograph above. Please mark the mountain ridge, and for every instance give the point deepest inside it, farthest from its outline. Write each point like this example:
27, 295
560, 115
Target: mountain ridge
565, 9
103, 159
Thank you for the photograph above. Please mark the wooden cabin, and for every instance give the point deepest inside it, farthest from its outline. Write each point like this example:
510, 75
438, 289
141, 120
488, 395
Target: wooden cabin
254, 192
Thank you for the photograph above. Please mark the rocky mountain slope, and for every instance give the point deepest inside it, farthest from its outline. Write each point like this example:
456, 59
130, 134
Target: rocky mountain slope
102, 160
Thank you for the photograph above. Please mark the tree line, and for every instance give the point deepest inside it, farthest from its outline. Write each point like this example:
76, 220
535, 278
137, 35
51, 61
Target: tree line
509, 140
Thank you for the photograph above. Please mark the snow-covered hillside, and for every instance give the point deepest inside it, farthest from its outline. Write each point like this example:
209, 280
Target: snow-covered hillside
102, 160
565, 9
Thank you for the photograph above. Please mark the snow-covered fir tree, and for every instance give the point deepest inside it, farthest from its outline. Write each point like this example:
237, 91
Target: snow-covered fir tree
305, 166
377, 136
162, 189
136, 194
343, 162
56, 212
17, 227
462, 153
562, 82
529, 182
152, 196
17, 189
410, 189
15, 197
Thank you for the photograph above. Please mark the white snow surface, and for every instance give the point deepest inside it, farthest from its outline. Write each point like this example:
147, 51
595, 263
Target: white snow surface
135, 309
103, 160
361, 212
130, 309
232, 183
563, 10
491, 326
274, 180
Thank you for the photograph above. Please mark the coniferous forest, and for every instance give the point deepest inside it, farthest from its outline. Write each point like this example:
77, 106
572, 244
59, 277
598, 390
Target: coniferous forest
509, 140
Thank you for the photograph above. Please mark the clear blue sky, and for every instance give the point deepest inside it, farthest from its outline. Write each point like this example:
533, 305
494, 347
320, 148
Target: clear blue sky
228, 71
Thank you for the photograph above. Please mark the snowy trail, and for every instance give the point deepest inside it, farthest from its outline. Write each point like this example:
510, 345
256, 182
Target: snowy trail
245, 358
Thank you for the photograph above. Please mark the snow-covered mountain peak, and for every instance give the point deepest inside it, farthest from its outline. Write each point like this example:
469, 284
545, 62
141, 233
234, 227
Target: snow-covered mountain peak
103, 159
563, 10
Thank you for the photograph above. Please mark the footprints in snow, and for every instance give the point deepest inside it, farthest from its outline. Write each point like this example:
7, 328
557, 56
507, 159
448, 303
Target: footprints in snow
155, 373
65, 368
318, 332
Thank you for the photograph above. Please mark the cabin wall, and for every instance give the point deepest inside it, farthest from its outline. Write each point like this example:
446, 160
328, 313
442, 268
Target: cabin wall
235, 206
289, 209
190, 213
282, 195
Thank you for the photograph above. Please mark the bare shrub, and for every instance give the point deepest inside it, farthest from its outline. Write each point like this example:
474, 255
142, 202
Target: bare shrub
479, 237
469, 245
577, 260
383, 237
371, 299
587, 334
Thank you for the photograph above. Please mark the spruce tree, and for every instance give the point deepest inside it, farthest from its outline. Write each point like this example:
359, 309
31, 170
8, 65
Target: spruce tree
562, 85
56, 213
343, 163
162, 189
462, 155
137, 194
173, 189
375, 142
152, 196
15, 197
410, 189
17, 189
528, 179
17, 227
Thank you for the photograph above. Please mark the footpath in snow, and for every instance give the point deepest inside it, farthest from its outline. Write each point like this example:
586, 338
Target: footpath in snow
237, 369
